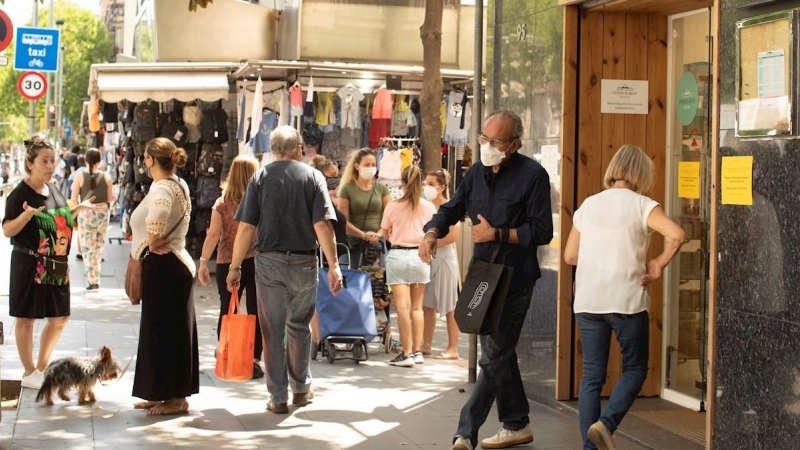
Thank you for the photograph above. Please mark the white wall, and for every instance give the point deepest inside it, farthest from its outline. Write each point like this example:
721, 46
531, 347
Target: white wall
227, 30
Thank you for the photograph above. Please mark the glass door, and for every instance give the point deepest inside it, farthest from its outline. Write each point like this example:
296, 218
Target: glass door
688, 203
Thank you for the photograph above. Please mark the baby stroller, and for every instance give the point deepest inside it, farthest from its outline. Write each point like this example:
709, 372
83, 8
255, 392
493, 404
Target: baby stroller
347, 320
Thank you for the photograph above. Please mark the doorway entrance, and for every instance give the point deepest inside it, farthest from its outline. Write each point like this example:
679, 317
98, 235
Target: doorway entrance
668, 45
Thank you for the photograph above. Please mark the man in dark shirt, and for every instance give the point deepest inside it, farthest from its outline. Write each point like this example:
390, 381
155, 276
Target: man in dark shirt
287, 203
507, 196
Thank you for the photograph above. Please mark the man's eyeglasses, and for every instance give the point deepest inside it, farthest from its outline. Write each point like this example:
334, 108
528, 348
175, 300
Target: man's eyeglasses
483, 140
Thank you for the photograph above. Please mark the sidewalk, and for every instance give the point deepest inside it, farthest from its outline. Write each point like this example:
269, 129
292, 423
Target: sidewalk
366, 406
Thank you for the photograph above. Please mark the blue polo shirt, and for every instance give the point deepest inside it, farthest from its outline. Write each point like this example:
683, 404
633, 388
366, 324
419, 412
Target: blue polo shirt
517, 196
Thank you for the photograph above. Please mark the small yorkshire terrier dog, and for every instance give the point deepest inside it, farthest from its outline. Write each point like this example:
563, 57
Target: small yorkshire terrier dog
81, 373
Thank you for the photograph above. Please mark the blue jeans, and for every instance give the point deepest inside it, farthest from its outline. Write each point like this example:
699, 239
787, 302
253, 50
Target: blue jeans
499, 377
633, 335
287, 292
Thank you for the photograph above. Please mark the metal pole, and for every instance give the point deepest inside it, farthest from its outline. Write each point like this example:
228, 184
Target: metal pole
60, 96
477, 114
48, 96
32, 104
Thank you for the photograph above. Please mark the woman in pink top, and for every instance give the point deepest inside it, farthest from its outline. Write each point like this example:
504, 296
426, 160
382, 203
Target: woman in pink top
220, 235
402, 225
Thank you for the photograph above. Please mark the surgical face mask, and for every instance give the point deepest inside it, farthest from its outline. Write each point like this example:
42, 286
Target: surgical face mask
367, 173
491, 156
430, 192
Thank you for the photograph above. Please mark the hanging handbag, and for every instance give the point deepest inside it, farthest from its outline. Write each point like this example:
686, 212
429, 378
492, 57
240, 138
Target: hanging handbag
236, 342
358, 246
483, 295
133, 274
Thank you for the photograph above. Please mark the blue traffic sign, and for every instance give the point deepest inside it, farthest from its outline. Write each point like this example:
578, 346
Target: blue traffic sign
36, 49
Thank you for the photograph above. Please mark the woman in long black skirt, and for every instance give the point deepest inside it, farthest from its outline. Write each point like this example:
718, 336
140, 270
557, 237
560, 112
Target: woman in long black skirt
167, 367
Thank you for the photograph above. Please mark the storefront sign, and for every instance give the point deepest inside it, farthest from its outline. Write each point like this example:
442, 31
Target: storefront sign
689, 179
686, 98
737, 180
623, 96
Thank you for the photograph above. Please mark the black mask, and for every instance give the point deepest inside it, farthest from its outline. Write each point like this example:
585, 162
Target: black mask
333, 183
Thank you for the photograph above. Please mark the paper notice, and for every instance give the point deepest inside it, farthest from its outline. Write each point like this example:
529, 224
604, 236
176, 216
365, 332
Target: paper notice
737, 180
689, 179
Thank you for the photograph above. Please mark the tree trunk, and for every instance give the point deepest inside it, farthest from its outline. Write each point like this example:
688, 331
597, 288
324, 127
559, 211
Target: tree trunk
431, 98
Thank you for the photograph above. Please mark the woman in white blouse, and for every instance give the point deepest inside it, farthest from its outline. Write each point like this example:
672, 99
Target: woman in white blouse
167, 369
608, 242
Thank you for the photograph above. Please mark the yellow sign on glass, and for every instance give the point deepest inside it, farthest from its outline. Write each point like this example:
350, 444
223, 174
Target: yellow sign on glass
689, 179
737, 180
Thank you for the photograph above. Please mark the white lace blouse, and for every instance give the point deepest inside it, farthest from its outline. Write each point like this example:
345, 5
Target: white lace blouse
160, 210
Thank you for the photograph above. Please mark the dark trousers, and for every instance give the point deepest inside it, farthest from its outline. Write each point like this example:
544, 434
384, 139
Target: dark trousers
248, 283
499, 377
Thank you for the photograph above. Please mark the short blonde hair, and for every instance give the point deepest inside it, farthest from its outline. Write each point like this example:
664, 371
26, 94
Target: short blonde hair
631, 164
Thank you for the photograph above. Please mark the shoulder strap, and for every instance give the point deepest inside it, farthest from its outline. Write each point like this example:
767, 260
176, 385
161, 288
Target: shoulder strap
175, 227
369, 203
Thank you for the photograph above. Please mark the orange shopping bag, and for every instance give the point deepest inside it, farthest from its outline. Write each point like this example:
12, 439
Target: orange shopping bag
236, 341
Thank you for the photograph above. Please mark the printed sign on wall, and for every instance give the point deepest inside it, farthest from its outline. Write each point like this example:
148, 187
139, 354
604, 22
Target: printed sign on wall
623, 96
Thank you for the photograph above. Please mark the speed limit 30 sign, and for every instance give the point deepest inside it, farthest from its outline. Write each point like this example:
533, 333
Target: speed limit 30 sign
32, 85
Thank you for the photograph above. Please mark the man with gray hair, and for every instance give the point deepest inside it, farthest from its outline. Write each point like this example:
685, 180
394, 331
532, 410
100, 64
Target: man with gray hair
288, 205
507, 196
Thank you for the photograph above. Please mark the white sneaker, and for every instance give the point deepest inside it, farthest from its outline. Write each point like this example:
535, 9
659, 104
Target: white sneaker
461, 443
34, 380
402, 360
508, 438
418, 358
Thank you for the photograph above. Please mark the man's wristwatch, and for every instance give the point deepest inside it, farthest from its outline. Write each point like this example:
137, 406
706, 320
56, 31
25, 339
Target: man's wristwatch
235, 269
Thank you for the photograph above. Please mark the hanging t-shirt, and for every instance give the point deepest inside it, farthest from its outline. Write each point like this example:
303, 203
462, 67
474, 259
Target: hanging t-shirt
406, 157
268, 123
351, 111
382, 107
324, 105
391, 167
296, 100
255, 112
456, 132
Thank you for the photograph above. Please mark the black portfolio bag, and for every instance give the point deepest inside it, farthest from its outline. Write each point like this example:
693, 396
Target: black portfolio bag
483, 295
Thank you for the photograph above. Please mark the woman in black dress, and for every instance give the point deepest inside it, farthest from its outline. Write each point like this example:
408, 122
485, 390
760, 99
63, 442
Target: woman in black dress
39, 222
167, 367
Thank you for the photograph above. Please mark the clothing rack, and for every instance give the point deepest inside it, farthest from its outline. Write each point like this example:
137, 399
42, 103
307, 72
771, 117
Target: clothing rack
397, 142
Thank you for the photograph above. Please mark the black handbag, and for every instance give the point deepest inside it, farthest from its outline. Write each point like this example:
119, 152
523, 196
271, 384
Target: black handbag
483, 295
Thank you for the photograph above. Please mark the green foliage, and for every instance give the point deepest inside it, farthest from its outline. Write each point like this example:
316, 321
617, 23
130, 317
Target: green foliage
16, 130
86, 42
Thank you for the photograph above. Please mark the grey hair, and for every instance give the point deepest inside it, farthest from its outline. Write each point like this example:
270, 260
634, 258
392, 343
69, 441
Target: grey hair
513, 117
284, 139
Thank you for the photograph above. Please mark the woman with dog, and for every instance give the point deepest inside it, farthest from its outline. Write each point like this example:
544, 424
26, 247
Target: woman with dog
220, 235
40, 223
167, 366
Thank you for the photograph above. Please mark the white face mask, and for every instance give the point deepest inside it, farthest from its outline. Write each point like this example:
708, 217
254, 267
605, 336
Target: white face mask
491, 156
367, 173
430, 192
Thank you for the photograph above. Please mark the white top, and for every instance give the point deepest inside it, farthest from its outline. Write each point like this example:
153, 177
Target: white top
612, 254
160, 210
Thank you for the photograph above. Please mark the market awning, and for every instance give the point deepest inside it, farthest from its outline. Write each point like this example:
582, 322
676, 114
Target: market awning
160, 82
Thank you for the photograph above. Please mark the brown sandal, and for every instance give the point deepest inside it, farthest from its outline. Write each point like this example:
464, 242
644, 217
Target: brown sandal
169, 407
147, 405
